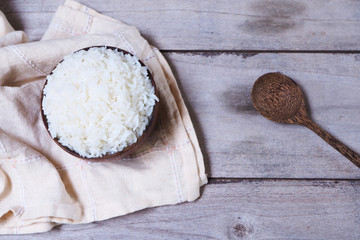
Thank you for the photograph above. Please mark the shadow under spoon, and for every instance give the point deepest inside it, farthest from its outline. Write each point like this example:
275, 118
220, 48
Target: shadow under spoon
278, 98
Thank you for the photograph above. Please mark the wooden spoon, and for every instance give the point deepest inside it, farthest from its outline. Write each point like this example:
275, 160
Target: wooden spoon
278, 98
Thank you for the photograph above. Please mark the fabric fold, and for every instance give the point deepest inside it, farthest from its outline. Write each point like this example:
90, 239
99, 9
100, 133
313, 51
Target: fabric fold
32, 189
43, 186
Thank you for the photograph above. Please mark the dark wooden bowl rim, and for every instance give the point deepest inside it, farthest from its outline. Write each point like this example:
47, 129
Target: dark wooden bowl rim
126, 151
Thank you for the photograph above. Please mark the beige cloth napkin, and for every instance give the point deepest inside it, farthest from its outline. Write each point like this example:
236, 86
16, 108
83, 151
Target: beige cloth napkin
41, 185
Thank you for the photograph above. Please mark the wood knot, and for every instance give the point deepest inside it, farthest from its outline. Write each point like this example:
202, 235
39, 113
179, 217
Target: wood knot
240, 230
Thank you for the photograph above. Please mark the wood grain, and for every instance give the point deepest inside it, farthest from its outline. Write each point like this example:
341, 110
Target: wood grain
239, 142
247, 24
242, 210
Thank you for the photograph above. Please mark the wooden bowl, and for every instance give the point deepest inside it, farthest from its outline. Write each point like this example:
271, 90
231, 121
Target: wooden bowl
126, 151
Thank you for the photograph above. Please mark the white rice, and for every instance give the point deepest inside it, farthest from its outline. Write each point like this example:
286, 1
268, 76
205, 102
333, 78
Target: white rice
98, 101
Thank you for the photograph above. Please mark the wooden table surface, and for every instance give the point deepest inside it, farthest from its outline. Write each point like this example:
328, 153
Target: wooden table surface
266, 180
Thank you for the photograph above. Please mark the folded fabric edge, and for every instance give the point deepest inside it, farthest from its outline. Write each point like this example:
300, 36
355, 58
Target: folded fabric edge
5, 26
80, 7
33, 228
43, 218
44, 224
67, 212
62, 23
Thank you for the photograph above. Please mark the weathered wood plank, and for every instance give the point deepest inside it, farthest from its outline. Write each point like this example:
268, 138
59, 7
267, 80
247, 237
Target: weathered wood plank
248, 24
34, 24
247, 209
238, 142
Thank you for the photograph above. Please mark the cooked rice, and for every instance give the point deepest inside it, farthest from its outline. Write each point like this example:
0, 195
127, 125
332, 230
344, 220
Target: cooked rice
98, 102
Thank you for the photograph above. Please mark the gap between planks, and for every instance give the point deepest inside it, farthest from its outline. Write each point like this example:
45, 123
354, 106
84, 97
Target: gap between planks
212, 181
254, 51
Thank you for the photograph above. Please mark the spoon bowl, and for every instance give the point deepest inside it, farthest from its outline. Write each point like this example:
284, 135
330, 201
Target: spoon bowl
278, 98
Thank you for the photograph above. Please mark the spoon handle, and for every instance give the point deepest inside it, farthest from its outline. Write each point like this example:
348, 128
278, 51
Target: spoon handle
332, 141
